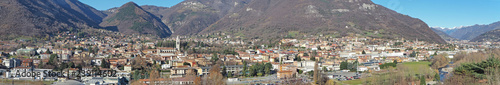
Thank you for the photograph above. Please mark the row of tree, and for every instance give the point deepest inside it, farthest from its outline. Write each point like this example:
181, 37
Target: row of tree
258, 69
349, 66
386, 65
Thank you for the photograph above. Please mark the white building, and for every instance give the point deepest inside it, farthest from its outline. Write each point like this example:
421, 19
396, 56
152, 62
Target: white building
11, 63
166, 66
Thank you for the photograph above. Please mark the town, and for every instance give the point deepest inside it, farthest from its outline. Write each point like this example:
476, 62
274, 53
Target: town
214, 58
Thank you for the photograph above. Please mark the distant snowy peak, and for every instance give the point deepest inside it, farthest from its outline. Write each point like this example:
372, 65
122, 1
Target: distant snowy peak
460, 27
453, 28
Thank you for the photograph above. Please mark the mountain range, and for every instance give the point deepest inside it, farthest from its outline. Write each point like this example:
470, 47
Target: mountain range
34, 18
132, 19
469, 32
443, 33
263, 19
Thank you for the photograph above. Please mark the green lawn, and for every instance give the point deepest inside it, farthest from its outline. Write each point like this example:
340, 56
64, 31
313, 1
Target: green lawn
354, 82
411, 68
417, 67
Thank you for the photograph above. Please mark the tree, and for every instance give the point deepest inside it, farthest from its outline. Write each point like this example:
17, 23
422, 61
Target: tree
353, 66
252, 71
305, 54
439, 61
471, 73
136, 75
215, 77
52, 59
386, 65
325, 69
104, 64
153, 77
398, 43
185, 63
224, 69
343, 65
297, 58
422, 80
215, 57
229, 74
71, 65
437, 77
314, 53
395, 62
315, 75
312, 58
363, 52
268, 67
197, 80
413, 54
80, 48
245, 68
48, 51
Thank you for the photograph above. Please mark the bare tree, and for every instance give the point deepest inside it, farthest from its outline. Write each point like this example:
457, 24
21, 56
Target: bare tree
153, 77
315, 75
439, 61
215, 77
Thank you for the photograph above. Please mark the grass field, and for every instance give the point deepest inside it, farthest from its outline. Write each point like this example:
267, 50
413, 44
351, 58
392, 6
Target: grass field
409, 68
354, 82
413, 65
421, 67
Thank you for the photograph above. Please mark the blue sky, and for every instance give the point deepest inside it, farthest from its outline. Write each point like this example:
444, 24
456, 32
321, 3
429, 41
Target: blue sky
447, 13
442, 13
106, 4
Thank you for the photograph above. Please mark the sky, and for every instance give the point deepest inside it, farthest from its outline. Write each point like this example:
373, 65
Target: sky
436, 13
107, 4
447, 13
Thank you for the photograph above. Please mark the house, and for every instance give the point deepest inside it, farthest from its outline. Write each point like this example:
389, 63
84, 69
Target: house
203, 70
160, 81
346, 54
234, 68
188, 80
373, 68
165, 66
165, 51
44, 56
283, 74
64, 56
181, 72
11, 63
26, 51
97, 61
362, 68
127, 68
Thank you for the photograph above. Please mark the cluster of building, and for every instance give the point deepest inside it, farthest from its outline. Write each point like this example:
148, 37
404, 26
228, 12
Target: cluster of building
287, 57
